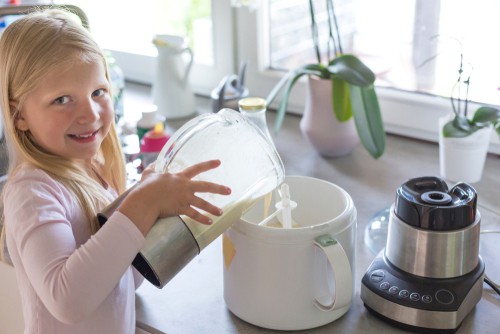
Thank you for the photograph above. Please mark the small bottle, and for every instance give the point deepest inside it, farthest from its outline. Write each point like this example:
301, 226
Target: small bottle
148, 120
152, 144
254, 109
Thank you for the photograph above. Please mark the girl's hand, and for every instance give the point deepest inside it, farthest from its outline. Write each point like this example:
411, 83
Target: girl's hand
161, 195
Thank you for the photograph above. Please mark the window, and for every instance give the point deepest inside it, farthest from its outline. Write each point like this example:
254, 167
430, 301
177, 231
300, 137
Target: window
127, 29
413, 46
410, 45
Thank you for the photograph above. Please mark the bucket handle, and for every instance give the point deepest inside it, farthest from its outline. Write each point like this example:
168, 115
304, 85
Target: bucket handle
342, 278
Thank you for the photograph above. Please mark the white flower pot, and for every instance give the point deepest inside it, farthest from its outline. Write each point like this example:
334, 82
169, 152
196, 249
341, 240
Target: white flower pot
462, 159
319, 125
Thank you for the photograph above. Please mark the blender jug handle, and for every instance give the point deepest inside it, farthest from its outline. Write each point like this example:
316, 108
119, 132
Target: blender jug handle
342, 273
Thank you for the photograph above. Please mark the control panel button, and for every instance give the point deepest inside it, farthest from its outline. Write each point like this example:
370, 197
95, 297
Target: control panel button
414, 296
444, 296
385, 285
426, 299
404, 293
377, 275
393, 290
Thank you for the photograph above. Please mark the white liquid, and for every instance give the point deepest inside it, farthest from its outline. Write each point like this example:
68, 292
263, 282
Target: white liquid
205, 234
267, 203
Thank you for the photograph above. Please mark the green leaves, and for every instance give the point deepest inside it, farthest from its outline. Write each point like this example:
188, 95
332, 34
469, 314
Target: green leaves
287, 83
454, 129
354, 95
368, 119
351, 69
341, 100
460, 126
486, 115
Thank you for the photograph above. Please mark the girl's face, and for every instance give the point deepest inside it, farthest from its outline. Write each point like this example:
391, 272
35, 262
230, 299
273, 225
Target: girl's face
70, 110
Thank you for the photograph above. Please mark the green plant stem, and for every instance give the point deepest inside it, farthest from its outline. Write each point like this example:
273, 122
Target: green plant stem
332, 13
331, 37
314, 29
467, 83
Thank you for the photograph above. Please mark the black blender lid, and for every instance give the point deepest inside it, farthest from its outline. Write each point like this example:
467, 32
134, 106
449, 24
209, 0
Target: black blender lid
426, 202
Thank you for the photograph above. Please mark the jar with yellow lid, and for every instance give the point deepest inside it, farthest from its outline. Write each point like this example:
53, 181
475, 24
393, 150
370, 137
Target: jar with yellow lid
254, 109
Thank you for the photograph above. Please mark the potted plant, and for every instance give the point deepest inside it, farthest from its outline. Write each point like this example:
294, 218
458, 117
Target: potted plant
461, 124
352, 86
464, 138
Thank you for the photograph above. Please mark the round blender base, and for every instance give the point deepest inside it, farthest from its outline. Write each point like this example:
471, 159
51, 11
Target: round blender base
413, 329
422, 304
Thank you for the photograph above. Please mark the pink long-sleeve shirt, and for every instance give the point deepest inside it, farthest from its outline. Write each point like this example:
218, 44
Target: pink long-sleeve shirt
70, 281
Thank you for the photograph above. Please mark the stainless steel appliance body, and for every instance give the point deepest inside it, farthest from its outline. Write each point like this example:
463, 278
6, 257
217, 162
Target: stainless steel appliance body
430, 275
432, 254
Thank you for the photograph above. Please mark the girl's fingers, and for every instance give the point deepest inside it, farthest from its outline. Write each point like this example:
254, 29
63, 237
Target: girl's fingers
195, 215
199, 168
209, 187
206, 206
201, 204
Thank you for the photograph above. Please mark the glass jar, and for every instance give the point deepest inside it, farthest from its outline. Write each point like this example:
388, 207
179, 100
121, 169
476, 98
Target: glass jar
254, 109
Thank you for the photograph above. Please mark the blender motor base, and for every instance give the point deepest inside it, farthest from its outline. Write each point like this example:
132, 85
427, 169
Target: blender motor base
411, 328
418, 303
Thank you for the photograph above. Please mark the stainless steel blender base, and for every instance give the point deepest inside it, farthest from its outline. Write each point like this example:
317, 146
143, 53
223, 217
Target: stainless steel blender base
423, 304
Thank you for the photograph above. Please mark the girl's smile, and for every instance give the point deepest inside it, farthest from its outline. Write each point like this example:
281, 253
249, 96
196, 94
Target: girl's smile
70, 112
84, 138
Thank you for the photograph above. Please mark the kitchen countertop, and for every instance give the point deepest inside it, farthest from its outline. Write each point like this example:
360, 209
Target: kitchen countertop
192, 302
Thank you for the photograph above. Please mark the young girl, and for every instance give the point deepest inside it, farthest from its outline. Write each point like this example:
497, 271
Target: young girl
65, 164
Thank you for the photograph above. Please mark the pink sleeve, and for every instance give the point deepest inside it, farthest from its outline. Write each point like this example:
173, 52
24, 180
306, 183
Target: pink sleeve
71, 281
138, 278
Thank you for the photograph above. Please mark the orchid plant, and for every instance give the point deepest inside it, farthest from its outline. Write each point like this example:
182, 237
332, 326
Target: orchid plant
462, 125
353, 91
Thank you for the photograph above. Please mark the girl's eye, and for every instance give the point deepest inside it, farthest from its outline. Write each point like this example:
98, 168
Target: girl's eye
98, 92
62, 100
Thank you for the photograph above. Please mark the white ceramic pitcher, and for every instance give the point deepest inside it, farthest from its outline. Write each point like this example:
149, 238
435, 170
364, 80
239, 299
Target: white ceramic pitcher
171, 90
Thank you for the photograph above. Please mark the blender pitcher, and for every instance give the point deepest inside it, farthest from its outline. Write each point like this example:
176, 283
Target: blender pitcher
250, 166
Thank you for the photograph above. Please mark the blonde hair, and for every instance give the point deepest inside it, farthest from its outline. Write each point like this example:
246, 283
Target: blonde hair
29, 48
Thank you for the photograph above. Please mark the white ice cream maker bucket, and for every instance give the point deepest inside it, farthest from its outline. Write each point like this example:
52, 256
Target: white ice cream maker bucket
293, 278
